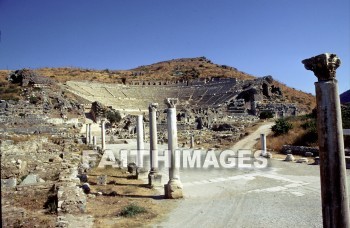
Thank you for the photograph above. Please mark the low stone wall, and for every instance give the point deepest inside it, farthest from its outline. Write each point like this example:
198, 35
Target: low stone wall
299, 150
62, 121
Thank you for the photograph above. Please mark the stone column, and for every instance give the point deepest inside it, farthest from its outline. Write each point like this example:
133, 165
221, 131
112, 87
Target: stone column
263, 144
192, 141
154, 178
334, 192
87, 134
90, 134
94, 140
253, 107
173, 190
140, 143
103, 135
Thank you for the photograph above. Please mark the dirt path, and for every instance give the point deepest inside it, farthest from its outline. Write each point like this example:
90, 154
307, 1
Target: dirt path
282, 195
249, 141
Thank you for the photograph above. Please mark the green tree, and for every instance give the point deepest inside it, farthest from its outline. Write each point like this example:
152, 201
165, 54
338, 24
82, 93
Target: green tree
113, 116
282, 126
266, 115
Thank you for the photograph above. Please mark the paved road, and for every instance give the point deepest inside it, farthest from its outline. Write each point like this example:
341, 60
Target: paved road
281, 195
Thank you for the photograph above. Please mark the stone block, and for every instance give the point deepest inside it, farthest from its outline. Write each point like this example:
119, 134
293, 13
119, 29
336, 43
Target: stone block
132, 168
30, 179
289, 158
173, 190
302, 160
155, 180
9, 183
308, 154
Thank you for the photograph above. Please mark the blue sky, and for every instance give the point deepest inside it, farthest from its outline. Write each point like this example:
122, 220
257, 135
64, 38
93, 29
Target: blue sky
259, 37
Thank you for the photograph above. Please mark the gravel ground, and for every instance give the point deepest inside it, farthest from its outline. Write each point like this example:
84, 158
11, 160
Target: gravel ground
282, 195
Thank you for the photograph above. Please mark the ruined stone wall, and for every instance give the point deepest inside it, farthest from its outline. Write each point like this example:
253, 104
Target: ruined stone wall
299, 150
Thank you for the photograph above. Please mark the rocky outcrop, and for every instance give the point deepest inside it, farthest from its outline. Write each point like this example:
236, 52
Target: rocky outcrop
26, 77
97, 111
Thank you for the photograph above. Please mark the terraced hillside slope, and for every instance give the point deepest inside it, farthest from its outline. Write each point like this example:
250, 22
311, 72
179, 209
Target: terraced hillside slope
168, 72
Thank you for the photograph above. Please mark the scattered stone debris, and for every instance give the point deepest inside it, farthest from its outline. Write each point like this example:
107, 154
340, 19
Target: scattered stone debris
42, 134
31, 179
289, 158
302, 160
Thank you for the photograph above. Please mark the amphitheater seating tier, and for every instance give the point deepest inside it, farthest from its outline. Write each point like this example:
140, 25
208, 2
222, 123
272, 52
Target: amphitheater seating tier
138, 97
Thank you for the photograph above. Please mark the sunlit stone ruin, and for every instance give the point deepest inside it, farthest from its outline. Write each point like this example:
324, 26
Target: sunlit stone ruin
55, 137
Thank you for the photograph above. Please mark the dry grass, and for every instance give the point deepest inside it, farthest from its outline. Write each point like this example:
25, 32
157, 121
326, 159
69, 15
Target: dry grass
107, 209
8, 91
32, 201
296, 136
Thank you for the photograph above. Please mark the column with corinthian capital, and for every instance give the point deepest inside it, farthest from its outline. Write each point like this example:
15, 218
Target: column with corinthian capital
334, 193
173, 190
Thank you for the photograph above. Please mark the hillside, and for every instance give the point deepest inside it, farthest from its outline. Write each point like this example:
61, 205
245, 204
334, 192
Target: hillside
176, 69
345, 97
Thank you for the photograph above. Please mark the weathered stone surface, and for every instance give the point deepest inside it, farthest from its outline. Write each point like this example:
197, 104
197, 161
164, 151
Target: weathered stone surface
155, 180
173, 190
324, 66
308, 154
302, 160
299, 150
98, 110
132, 168
30, 179
27, 77
8, 183
289, 158
71, 199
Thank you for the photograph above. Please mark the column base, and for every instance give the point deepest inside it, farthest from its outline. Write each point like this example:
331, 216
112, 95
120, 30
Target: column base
154, 179
141, 173
173, 190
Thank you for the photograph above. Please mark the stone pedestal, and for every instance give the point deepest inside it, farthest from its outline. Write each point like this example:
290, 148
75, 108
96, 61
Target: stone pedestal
155, 179
173, 190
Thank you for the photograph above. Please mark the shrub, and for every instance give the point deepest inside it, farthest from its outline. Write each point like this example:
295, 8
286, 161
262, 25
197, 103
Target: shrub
282, 126
33, 100
113, 116
266, 115
345, 112
310, 125
132, 210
